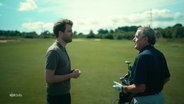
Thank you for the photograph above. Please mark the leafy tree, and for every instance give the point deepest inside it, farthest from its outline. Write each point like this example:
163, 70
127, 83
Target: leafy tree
46, 34
101, 31
32, 34
91, 34
178, 31
168, 33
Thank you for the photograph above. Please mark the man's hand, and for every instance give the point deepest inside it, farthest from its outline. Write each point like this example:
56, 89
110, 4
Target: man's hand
117, 86
75, 73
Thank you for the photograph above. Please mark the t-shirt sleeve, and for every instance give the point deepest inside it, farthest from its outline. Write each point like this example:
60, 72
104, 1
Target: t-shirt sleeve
51, 60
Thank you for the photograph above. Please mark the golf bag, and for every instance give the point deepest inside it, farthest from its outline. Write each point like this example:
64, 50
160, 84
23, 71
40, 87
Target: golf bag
125, 97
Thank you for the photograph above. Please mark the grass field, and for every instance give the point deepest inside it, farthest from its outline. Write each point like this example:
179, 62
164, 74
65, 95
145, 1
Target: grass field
101, 61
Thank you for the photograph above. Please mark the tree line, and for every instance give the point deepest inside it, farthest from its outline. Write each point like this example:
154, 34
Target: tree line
124, 32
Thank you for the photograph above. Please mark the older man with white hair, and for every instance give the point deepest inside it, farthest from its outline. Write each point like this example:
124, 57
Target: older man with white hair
150, 70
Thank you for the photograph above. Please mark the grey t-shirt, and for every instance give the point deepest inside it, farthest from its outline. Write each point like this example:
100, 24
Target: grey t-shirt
57, 59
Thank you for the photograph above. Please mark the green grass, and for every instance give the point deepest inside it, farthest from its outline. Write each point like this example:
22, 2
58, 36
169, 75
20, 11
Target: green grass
22, 70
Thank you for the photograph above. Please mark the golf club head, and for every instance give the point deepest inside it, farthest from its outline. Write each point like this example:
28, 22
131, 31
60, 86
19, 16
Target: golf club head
127, 62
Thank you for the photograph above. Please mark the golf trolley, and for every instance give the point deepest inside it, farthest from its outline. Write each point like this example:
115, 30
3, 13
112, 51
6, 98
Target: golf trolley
125, 97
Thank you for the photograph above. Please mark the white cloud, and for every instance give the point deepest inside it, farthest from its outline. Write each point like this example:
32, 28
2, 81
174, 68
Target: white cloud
164, 18
28, 5
160, 18
37, 26
93, 15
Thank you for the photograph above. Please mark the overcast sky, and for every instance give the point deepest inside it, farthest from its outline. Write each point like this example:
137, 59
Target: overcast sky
39, 15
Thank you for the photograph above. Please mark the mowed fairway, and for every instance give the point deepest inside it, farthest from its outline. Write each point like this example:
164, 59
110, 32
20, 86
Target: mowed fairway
22, 70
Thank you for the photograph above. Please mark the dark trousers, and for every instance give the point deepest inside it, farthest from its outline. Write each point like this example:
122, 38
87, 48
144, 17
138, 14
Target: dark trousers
59, 99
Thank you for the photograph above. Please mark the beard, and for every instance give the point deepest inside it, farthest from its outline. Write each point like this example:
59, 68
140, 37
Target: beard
67, 38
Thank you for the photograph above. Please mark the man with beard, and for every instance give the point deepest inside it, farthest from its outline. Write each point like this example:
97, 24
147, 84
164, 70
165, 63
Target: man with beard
58, 66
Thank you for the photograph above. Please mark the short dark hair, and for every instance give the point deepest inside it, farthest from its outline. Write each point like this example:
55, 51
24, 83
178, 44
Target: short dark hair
150, 33
61, 25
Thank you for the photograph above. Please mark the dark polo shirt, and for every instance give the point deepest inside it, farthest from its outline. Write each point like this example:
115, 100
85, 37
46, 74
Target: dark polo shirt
150, 68
57, 59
